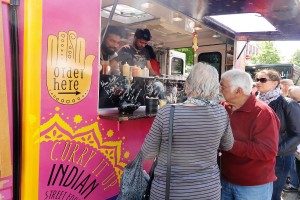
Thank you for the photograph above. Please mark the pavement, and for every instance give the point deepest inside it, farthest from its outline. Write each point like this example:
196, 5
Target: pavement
289, 196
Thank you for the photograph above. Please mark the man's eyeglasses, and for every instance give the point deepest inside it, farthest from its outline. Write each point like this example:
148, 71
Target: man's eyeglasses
262, 80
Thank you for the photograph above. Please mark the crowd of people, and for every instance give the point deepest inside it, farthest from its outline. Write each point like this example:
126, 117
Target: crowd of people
257, 132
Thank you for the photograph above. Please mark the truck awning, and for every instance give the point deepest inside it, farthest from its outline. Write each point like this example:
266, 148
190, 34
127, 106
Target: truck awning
284, 15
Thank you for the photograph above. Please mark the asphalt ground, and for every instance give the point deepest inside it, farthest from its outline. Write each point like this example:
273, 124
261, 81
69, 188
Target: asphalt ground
289, 196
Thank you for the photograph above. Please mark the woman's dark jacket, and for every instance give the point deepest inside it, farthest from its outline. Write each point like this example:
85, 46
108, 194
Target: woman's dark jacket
288, 112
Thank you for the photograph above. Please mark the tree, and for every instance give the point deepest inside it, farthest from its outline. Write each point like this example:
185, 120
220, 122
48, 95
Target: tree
268, 54
296, 58
189, 55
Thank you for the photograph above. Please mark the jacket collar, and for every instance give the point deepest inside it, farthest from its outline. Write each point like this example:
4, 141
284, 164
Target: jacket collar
248, 105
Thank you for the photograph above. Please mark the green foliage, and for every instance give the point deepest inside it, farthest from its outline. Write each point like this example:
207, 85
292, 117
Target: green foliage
296, 58
268, 54
189, 55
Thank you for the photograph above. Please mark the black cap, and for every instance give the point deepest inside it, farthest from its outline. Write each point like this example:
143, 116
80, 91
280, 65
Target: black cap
143, 34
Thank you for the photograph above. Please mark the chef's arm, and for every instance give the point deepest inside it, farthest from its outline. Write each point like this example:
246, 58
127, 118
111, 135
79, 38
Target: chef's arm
151, 71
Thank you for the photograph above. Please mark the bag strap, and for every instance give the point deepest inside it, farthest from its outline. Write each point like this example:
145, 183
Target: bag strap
169, 152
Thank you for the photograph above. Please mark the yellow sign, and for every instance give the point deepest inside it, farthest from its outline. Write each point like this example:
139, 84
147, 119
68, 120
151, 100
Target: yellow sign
69, 70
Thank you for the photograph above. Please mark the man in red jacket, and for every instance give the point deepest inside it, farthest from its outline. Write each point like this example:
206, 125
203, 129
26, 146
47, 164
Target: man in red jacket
248, 168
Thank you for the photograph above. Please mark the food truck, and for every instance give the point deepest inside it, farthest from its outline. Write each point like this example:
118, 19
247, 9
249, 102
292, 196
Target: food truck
59, 138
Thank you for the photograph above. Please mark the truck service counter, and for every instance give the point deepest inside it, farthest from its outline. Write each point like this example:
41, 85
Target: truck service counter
117, 91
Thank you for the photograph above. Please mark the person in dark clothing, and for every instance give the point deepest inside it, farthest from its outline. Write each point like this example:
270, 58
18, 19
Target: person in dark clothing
294, 93
288, 112
109, 46
137, 54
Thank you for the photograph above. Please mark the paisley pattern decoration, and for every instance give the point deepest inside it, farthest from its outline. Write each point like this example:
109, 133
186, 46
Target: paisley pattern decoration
57, 129
270, 96
200, 102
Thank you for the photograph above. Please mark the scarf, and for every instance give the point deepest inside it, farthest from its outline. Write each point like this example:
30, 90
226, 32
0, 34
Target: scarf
200, 102
269, 96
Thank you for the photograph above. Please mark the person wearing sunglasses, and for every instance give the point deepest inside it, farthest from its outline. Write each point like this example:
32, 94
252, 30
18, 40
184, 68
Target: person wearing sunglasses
288, 112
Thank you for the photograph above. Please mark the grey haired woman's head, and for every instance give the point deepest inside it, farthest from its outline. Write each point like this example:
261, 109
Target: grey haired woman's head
203, 82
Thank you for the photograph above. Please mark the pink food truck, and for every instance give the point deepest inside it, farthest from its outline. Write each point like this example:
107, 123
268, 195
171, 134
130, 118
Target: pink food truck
63, 135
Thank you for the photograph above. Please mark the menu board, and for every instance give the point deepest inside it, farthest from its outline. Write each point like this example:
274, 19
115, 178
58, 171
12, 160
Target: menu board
113, 90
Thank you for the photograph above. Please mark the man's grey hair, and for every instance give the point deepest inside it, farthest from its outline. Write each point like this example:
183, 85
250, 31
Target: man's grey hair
203, 82
238, 78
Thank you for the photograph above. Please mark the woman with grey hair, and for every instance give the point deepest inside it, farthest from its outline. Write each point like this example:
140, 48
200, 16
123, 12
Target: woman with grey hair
200, 128
202, 83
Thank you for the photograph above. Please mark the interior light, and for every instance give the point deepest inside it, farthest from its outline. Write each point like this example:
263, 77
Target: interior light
126, 14
216, 35
246, 22
147, 5
197, 27
177, 17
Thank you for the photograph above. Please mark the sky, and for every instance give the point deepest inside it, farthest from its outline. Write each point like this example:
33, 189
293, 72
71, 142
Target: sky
287, 48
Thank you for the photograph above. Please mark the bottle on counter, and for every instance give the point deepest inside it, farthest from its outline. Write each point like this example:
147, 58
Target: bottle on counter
139, 72
115, 70
108, 70
105, 67
136, 71
145, 72
126, 70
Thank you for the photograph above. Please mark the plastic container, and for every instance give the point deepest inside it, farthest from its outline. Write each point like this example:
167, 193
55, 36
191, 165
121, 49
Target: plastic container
105, 67
162, 102
151, 104
145, 72
135, 71
126, 70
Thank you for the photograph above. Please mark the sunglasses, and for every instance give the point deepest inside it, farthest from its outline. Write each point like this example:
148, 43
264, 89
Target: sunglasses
262, 80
